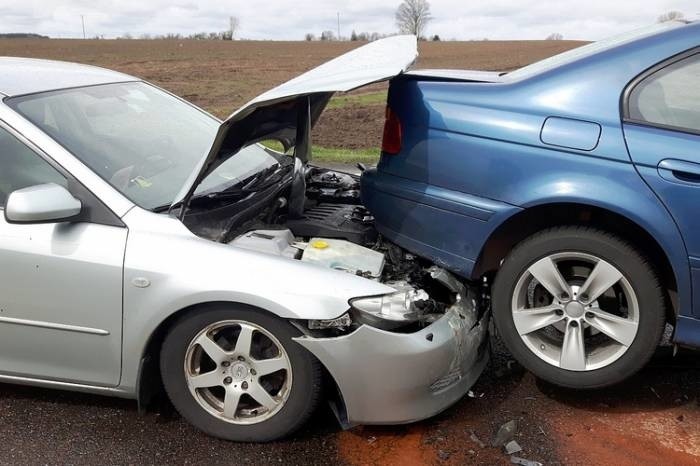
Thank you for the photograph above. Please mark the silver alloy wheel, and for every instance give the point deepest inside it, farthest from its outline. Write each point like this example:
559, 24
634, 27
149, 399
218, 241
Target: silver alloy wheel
575, 311
238, 372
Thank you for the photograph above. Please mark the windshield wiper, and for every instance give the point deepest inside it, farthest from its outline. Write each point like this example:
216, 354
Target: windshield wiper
258, 182
264, 173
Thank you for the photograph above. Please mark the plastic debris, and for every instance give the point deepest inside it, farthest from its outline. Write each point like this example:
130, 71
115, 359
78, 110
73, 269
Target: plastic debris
471, 394
510, 368
505, 434
512, 447
524, 462
477, 440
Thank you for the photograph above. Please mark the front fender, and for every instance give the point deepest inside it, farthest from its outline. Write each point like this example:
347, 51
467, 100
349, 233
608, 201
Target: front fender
167, 269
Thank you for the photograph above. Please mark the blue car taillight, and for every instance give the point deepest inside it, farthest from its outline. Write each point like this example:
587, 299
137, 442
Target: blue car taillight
391, 140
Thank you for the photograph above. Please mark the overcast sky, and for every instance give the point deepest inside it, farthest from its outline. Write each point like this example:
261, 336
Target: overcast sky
291, 19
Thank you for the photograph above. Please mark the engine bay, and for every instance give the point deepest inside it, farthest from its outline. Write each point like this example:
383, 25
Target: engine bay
334, 230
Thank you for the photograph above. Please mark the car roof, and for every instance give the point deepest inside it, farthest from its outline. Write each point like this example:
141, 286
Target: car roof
20, 76
656, 32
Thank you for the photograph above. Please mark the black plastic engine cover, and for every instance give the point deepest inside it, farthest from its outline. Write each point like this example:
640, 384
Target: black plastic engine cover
338, 221
331, 186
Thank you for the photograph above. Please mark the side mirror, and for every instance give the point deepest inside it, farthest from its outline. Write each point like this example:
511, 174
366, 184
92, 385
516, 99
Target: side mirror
43, 203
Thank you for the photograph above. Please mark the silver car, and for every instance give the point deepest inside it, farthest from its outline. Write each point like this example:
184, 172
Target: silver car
145, 243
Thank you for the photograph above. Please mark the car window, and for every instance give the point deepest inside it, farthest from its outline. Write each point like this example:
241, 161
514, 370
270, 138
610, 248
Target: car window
21, 167
670, 97
143, 141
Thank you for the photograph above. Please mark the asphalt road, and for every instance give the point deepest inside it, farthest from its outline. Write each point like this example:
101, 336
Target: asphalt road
41, 426
652, 416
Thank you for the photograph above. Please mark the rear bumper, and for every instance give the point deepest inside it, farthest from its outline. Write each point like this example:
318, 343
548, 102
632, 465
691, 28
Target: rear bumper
448, 227
395, 378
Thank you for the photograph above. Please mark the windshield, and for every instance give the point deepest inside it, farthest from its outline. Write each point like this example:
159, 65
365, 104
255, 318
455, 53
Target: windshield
141, 140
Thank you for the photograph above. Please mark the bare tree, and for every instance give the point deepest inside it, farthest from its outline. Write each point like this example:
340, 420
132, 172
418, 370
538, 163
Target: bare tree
413, 16
671, 16
327, 35
555, 36
309, 37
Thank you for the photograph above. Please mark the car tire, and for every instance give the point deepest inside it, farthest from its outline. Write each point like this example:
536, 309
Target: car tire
571, 350
296, 388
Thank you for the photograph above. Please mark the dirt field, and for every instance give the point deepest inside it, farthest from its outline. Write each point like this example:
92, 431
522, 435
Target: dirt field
221, 76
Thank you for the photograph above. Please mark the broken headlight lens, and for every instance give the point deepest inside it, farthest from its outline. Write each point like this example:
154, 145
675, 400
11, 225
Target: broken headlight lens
341, 323
391, 310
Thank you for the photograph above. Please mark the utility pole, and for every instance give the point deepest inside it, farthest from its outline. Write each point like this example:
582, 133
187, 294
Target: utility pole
82, 20
232, 26
338, 25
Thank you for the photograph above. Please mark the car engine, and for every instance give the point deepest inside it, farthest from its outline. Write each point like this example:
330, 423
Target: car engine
337, 232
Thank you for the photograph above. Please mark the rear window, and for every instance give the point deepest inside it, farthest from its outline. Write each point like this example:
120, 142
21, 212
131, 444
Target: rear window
670, 97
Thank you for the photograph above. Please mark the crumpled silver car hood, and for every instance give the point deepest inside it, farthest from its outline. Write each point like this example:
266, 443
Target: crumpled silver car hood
277, 114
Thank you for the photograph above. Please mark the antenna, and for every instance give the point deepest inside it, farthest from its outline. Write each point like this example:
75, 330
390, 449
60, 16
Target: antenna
82, 20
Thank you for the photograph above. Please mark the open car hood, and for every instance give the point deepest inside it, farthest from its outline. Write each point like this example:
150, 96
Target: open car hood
288, 112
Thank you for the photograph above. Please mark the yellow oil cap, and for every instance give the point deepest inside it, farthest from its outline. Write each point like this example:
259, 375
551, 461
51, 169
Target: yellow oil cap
319, 244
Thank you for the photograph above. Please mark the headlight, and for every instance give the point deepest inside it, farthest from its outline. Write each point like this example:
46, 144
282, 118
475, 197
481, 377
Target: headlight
391, 310
340, 323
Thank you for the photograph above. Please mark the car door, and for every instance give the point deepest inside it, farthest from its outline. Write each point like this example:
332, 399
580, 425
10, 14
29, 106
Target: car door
662, 130
60, 283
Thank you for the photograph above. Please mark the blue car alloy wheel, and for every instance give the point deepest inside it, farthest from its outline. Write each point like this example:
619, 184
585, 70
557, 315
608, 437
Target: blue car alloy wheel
578, 307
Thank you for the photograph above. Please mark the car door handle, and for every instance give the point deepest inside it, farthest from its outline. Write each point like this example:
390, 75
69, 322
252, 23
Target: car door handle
679, 170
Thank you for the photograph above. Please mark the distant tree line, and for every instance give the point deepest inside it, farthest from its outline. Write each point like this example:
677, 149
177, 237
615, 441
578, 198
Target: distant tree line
223, 35
234, 24
412, 17
22, 35
331, 36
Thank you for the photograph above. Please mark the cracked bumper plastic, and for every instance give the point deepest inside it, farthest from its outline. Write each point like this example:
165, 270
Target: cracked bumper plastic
394, 378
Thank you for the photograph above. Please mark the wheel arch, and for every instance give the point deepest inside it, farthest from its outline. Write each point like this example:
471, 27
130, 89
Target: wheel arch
149, 383
542, 216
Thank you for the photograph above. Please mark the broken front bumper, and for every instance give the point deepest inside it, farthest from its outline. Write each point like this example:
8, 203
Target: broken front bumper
396, 378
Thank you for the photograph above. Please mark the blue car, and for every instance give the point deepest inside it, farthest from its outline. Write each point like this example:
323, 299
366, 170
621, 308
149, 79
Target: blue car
569, 188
